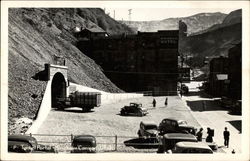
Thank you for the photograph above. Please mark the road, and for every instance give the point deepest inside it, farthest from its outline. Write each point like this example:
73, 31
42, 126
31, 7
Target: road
214, 116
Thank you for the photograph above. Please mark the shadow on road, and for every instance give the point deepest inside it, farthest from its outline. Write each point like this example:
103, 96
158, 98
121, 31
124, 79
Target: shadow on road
205, 105
140, 143
236, 124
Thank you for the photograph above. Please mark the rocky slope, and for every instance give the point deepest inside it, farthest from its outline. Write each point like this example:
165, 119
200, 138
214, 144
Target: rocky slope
194, 23
35, 37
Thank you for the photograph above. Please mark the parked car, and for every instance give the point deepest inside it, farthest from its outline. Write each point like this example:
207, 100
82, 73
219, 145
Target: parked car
191, 147
21, 143
148, 130
171, 125
226, 102
237, 107
84, 144
169, 140
27, 144
134, 109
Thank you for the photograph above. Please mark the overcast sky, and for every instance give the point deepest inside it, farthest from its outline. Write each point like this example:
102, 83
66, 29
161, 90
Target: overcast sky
147, 14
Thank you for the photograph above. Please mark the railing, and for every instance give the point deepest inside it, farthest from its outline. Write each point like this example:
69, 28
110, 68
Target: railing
104, 143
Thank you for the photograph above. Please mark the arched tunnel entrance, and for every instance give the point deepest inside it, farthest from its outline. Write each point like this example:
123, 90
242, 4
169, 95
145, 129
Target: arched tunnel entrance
58, 88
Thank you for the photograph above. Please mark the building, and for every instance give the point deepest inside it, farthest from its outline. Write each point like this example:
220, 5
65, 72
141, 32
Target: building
143, 62
235, 72
218, 76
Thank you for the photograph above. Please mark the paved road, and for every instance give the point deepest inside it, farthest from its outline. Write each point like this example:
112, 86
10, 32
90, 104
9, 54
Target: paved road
215, 117
106, 121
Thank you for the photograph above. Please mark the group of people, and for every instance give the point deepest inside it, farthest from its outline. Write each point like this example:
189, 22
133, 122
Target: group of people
154, 102
210, 134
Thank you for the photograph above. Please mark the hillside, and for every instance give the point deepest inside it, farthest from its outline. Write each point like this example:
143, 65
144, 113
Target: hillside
194, 23
215, 41
35, 37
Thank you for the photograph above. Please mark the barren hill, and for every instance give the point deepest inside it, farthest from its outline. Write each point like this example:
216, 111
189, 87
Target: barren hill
35, 37
194, 23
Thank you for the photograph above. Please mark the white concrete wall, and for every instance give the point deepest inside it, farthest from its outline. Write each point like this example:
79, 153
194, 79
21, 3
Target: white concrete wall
43, 110
106, 97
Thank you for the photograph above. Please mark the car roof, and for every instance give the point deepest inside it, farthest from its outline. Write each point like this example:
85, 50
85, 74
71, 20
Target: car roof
135, 103
84, 137
180, 136
148, 123
171, 118
186, 144
12, 143
20, 138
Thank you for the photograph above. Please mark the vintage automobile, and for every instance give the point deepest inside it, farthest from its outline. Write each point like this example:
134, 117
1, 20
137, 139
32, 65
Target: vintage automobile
21, 143
191, 147
169, 140
27, 144
148, 130
237, 107
134, 109
84, 144
171, 125
226, 102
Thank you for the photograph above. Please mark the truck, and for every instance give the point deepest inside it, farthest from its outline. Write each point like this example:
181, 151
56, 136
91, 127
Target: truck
84, 100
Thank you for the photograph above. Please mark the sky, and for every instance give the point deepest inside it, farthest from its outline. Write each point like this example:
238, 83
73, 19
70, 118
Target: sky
148, 14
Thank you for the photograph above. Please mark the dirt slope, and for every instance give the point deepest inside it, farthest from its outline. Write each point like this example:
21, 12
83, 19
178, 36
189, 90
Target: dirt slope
35, 37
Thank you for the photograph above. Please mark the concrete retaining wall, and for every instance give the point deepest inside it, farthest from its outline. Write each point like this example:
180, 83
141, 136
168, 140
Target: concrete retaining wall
43, 110
106, 97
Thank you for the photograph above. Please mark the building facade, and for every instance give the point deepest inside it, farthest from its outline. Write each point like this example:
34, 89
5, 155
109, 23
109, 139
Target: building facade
147, 61
218, 76
235, 72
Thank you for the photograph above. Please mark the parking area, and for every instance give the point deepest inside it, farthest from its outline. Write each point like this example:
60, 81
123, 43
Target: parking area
107, 121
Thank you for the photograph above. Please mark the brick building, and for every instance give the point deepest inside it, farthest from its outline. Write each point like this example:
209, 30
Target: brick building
146, 61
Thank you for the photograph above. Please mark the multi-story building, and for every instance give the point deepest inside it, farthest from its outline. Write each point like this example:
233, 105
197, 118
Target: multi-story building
218, 76
146, 61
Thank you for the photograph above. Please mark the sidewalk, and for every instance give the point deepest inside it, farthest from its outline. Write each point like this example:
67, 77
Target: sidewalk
216, 118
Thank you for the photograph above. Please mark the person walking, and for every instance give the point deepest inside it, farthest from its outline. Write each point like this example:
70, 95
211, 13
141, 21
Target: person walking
226, 135
154, 102
166, 101
199, 134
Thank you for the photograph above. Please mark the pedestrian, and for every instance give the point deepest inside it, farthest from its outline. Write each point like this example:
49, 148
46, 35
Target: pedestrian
204, 105
226, 134
209, 135
166, 101
154, 102
233, 152
199, 134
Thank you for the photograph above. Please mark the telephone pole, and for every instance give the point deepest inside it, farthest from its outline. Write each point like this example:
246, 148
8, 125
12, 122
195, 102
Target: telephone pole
129, 15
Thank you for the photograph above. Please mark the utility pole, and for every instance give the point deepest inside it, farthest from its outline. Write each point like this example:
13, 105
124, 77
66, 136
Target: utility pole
129, 15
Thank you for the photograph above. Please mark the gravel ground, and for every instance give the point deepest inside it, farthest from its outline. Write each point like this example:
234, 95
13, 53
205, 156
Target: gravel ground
106, 121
